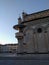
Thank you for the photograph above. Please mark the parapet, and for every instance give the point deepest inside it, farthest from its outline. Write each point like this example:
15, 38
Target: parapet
37, 15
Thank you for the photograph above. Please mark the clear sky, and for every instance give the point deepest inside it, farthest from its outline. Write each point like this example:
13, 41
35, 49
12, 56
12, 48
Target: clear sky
10, 10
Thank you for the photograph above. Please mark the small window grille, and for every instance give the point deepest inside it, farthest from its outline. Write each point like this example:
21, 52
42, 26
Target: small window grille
39, 30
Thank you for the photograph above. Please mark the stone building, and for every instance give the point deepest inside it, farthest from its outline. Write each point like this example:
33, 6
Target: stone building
9, 48
33, 35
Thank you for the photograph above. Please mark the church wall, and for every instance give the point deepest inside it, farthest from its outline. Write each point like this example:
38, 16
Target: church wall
29, 40
36, 42
48, 37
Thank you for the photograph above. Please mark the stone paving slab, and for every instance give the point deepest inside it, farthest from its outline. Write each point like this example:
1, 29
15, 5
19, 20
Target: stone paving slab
24, 62
42, 59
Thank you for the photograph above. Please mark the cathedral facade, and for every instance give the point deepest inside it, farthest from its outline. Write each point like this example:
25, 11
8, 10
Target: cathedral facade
33, 35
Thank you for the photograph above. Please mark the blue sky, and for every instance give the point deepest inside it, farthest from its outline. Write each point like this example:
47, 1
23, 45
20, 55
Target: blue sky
10, 10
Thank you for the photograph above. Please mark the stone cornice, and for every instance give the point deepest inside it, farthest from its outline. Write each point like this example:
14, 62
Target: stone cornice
36, 15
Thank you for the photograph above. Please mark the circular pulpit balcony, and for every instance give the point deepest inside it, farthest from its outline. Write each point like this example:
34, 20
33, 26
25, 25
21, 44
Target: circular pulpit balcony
20, 26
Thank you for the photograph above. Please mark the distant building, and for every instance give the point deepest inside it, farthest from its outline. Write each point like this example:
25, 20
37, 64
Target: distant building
8, 48
33, 35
